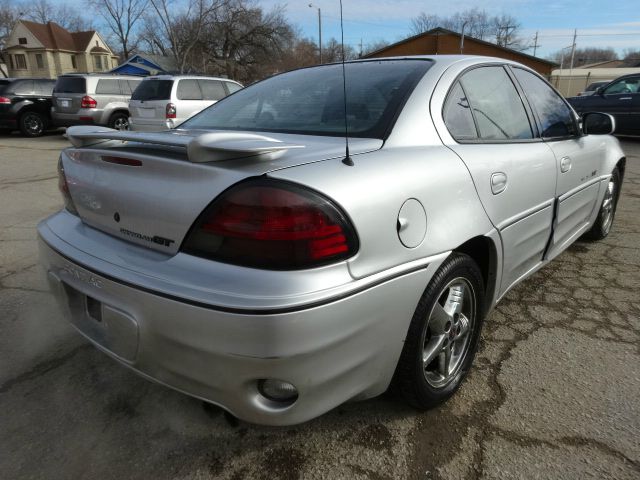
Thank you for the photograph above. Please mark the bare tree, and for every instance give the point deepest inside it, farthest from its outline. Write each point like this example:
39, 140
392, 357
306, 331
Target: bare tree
183, 29
121, 17
631, 57
43, 11
374, 46
244, 42
9, 15
585, 56
476, 23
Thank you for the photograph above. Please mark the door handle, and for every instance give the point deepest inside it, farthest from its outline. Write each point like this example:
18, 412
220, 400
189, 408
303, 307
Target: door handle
498, 182
565, 164
626, 98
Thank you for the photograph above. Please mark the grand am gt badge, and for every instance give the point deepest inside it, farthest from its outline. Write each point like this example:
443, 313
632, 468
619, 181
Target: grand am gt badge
148, 238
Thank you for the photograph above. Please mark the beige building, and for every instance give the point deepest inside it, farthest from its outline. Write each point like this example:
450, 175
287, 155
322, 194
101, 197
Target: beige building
48, 50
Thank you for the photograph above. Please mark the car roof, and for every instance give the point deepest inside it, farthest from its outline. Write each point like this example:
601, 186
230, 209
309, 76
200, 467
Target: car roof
188, 77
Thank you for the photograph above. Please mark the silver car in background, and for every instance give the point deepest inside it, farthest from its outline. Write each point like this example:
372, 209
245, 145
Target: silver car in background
247, 260
93, 99
165, 101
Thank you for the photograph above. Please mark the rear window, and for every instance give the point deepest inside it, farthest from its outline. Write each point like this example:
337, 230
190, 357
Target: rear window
311, 101
70, 85
153, 90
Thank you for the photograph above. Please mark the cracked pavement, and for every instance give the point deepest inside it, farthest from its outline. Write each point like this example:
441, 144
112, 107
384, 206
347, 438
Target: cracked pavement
554, 392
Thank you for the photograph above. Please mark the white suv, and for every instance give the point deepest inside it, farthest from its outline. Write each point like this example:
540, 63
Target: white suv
164, 101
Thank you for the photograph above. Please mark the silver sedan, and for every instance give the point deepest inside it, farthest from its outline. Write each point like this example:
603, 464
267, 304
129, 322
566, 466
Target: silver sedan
287, 249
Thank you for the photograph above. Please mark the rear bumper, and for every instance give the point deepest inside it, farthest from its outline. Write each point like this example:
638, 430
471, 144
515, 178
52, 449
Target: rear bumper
81, 117
342, 349
139, 125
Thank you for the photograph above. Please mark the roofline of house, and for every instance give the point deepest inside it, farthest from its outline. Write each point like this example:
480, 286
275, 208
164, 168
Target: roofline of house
451, 32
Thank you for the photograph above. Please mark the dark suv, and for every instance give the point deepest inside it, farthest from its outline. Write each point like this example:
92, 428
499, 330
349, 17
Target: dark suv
620, 98
25, 104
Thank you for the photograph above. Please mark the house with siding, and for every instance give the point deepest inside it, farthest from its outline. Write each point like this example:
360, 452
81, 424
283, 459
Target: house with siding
48, 50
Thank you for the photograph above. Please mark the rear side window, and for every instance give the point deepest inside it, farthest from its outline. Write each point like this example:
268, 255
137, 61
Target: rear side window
23, 87
457, 115
555, 117
44, 87
496, 105
153, 90
129, 86
4, 85
108, 86
70, 85
189, 90
212, 89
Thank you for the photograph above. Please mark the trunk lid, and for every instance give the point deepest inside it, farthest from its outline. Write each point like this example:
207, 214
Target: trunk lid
68, 93
148, 192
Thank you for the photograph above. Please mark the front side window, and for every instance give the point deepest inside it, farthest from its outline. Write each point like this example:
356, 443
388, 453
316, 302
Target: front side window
625, 85
457, 115
311, 101
496, 105
555, 117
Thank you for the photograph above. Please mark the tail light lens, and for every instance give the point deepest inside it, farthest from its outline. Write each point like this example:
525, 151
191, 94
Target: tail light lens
63, 186
88, 102
272, 224
171, 110
5, 100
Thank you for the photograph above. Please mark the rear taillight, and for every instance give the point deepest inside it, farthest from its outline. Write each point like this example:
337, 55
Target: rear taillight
272, 224
63, 186
171, 110
5, 100
88, 102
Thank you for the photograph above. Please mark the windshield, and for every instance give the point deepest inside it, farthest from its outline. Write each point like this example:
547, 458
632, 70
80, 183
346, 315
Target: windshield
153, 90
311, 101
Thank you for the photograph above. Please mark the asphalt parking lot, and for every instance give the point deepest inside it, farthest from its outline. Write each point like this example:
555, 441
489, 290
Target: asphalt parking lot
555, 392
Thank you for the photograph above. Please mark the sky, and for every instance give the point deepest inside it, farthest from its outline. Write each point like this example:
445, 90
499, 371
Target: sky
598, 23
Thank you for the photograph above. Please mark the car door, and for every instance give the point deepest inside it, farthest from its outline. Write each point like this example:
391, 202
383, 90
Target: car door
513, 171
578, 159
617, 99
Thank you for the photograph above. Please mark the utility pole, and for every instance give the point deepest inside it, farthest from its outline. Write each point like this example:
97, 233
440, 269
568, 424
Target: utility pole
360, 56
573, 52
319, 32
535, 44
502, 41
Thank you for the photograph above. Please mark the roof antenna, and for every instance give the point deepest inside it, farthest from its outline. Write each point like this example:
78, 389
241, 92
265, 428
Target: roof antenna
347, 159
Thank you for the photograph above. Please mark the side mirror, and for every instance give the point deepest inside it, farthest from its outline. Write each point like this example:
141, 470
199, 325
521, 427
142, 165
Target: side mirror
596, 123
599, 91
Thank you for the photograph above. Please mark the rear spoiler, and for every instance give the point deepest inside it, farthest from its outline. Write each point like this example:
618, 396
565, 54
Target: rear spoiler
207, 147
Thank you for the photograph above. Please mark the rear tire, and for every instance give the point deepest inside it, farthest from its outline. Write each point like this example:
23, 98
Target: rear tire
119, 121
32, 124
607, 212
443, 335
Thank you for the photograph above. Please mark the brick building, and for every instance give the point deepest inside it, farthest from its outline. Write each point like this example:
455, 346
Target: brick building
446, 42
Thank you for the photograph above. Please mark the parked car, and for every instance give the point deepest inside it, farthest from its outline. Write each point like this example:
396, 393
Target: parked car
165, 101
93, 99
620, 98
592, 87
250, 259
25, 104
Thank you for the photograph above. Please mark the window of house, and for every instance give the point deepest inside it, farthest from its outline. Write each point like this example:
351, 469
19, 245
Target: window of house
22, 41
21, 61
73, 62
98, 62
39, 60
11, 62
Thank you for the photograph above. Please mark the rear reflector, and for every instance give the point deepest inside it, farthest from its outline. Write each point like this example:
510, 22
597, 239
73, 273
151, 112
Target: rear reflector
122, 161
272, 224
